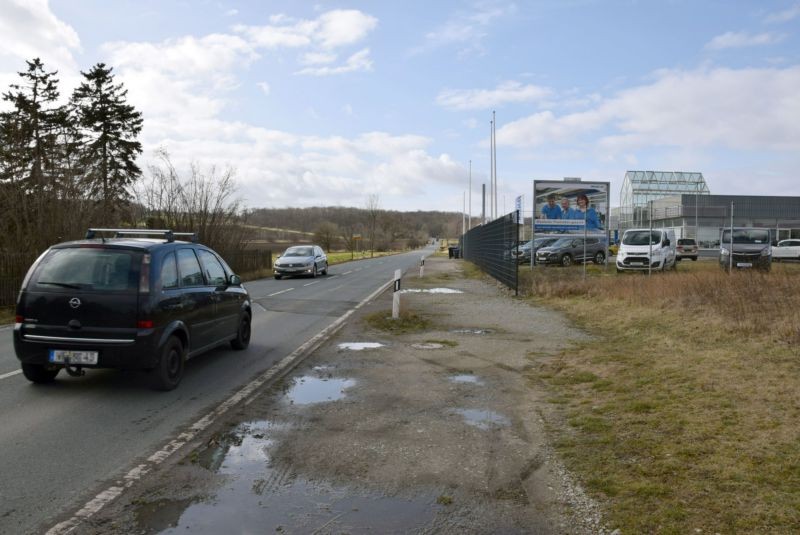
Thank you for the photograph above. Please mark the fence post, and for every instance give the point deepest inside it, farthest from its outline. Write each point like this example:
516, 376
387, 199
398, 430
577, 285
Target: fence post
396, 295
421, 267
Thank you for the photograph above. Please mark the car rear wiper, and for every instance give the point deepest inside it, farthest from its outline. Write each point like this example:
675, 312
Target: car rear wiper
62, 284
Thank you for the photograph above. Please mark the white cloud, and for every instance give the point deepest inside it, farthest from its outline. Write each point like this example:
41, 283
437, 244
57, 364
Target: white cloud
743, 39
745, 109
481, 99
467, 29
360, 61
231, 12
330, 30
30, 29
783, 16
344, 27
264, 87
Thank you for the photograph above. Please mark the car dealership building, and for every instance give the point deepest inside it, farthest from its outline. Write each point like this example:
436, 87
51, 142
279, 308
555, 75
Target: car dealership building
683, 202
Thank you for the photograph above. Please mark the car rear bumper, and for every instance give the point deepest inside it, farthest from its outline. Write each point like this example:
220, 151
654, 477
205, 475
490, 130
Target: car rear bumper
136, 352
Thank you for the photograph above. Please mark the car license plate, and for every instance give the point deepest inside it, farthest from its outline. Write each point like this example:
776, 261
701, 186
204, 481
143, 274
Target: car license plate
61, 356
744, 264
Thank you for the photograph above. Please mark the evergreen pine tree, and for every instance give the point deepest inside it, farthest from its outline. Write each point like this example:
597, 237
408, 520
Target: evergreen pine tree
29, 129
111, 127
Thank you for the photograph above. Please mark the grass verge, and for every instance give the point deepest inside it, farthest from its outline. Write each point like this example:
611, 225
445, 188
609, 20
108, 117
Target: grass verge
408, 322
681, 414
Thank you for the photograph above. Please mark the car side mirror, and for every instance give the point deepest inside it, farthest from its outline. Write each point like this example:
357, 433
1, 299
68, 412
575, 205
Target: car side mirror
235, 280
666, 243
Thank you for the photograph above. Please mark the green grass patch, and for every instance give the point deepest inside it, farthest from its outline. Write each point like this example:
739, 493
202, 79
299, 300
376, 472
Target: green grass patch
408, 322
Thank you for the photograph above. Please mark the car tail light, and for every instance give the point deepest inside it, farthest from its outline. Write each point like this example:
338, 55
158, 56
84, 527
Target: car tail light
18, 319
144, 275
144, 324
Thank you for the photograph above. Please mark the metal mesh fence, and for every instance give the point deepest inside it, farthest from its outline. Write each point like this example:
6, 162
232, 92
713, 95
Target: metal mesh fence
491, 247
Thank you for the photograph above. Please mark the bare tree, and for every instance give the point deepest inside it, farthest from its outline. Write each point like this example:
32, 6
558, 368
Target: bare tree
202, 202
327, 234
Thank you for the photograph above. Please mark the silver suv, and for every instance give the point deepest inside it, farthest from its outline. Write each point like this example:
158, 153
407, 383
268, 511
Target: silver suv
570, 249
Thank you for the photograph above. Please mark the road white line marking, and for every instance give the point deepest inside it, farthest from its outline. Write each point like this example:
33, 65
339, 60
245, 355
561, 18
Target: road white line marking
10, 374
310, 283
259, 305
332, 277
359, 269
287, 364
347, 272
334, 288
281, 292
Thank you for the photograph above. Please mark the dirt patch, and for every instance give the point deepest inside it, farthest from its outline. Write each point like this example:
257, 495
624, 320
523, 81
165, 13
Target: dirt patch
403, 438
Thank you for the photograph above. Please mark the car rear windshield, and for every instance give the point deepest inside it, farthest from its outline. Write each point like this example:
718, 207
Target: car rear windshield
746, 236
686, 241
641, 237
89, 269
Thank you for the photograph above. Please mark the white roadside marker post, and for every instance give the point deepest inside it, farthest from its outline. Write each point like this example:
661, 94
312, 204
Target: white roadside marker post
421, 267
396, 295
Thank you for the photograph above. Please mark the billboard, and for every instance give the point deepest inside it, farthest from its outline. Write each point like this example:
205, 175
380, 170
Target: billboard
570, 207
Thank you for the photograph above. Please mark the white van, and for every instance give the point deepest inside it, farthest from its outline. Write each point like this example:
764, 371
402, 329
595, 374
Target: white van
642, 248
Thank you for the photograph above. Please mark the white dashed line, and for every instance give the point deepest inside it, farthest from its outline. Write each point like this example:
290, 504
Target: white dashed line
347, 272
281, 292
259, 305
310, 283
10, 374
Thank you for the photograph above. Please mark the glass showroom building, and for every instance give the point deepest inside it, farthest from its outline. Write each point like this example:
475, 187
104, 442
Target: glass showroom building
683, 202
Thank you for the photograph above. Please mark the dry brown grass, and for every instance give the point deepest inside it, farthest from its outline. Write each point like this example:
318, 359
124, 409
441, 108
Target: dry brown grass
682, 413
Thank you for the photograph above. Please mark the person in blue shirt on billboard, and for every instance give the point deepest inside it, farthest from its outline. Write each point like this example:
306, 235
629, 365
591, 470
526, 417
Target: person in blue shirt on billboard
567, 212
587, 213
551, 210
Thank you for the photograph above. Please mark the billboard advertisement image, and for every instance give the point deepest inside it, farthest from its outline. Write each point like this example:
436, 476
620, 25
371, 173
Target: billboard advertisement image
564, 207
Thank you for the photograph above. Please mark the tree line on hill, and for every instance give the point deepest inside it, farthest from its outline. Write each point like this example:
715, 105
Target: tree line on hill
337, 227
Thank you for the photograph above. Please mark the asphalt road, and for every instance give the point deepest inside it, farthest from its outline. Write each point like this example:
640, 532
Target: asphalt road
63, 443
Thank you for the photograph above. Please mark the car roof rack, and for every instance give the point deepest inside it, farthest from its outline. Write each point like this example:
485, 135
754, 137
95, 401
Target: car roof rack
168, 235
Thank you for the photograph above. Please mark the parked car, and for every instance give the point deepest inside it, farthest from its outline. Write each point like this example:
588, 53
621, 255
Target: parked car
745, 248
687, 248
569, 249
307, 260
529, 248
646, 249
129, 303
786, 250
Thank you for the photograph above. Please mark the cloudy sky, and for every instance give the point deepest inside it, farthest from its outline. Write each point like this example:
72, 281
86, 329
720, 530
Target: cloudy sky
326, 103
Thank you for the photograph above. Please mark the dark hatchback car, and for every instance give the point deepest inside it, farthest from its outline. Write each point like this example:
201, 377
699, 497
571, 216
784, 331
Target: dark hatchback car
127, 303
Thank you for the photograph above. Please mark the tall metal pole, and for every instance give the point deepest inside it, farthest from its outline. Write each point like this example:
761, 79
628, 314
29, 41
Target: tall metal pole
730, 256
650, 241
464, 214
483, 204
491, 168
469, 218
494, 160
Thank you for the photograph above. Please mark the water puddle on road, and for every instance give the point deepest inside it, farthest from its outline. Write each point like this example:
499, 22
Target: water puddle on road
260, 496
427, 345
307, 390
359, 346
466, 378
472, 331
483, 419
431, 291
